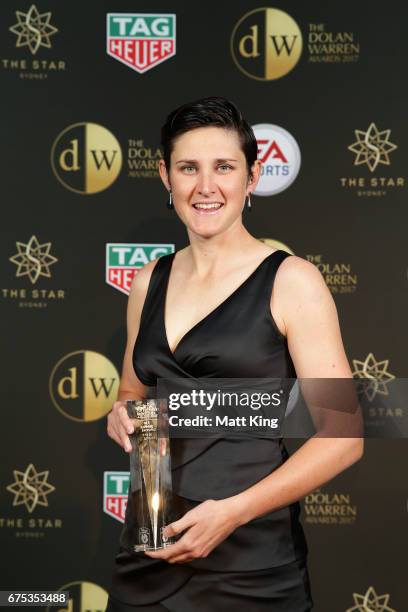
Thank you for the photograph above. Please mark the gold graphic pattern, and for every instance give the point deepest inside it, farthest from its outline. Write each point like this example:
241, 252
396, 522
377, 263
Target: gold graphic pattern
33, 259
371, 602
33, 29
373, 370
372, 147
30, 488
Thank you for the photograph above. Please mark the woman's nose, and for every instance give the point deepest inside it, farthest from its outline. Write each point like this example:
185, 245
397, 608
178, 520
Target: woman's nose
206, 184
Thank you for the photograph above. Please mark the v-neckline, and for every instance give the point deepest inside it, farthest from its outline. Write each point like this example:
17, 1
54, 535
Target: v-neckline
208, 315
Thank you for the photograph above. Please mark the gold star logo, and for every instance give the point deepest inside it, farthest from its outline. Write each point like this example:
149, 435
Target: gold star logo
375, 372
33, 259
33, 29
30, 488
370, 602
372, 147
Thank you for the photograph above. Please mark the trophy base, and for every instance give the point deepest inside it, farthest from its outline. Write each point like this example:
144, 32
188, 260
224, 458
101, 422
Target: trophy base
144, 547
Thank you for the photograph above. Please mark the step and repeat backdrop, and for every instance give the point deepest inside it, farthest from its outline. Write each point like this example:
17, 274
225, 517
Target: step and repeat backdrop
85, 88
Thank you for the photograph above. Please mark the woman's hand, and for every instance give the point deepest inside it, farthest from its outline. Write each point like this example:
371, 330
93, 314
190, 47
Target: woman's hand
120, 426
207, 525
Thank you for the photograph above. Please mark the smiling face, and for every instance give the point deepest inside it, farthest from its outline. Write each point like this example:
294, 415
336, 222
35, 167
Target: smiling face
209, 179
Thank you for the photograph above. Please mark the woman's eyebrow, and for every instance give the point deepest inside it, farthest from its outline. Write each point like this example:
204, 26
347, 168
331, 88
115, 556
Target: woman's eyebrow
194, 161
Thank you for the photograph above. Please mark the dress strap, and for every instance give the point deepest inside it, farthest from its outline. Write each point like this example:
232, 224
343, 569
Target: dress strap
269, 273
268, 281
156, 284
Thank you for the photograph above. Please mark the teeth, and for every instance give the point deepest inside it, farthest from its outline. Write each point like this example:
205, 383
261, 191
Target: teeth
205, 206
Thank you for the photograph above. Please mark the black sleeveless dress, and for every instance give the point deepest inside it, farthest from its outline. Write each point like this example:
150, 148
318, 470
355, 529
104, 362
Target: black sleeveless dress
262, 564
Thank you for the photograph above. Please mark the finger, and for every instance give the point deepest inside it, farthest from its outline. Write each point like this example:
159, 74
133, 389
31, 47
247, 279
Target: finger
125, 440
181, 559
167, 553
164, 554
122, 425
125, 420
120, 439
112, 430
112, 434
118, 433
156, 554
173, 529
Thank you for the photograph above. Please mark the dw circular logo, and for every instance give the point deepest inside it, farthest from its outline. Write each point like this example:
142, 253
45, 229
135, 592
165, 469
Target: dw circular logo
83, 385
280, 156
82, 596
266, 44
86, 158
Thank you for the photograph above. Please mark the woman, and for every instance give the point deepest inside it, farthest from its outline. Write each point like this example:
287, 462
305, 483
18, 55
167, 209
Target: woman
209, 311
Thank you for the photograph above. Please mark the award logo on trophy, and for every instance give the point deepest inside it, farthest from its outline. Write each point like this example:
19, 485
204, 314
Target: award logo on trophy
150, 472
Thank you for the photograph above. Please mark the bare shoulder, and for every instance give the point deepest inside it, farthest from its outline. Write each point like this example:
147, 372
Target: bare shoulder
142, 277
300, 292
298, 277
311, 321
140, 281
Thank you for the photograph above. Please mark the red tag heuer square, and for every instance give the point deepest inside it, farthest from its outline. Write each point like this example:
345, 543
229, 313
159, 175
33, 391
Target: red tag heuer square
141, 41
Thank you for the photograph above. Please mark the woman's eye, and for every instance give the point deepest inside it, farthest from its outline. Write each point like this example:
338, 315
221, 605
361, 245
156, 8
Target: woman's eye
192, 169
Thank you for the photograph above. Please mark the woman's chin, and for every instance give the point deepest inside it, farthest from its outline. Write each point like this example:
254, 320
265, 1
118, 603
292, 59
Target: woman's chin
207, 232
211, 225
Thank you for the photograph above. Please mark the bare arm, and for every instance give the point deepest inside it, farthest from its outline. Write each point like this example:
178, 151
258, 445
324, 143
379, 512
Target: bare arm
316, 348
130, 387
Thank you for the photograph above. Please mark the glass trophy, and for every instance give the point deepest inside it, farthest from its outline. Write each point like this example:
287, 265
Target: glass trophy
150, 473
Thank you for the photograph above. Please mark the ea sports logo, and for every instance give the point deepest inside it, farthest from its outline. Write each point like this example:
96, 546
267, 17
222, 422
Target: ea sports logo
266, 44
280, 157
86, 158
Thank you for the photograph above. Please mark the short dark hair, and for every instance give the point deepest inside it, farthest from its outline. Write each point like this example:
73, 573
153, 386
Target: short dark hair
212, 111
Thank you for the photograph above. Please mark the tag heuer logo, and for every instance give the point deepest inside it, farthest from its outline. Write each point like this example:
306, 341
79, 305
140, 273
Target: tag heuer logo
124, 260
115, 494
141, 41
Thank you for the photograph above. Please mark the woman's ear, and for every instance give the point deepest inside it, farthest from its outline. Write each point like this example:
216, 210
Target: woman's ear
255, 174
163, 174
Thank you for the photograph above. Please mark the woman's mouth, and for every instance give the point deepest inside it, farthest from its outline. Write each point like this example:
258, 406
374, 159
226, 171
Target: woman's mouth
207, 208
